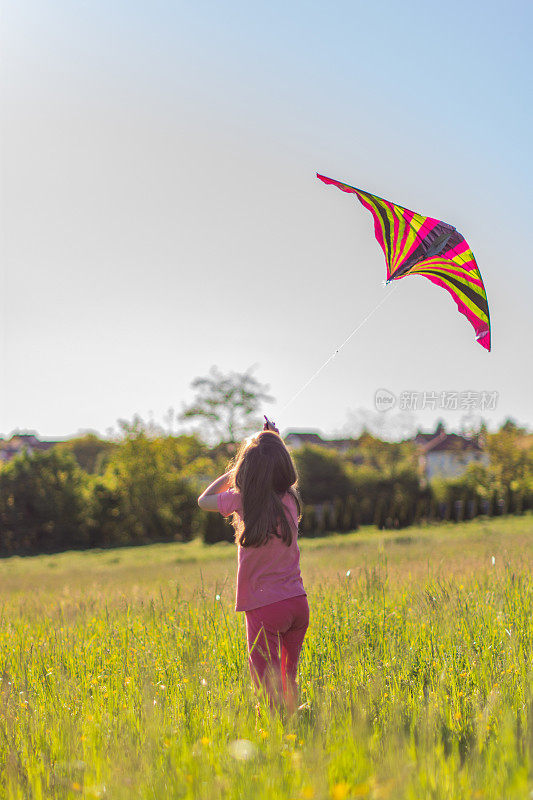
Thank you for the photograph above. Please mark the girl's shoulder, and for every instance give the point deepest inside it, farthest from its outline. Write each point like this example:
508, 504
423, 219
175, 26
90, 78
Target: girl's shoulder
288, 499
292, 499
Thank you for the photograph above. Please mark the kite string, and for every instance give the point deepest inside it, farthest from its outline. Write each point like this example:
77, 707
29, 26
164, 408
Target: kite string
339, 348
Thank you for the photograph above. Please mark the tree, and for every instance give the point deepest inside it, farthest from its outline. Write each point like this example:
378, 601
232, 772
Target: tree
511, 426
217, 529
89, 451
511, 454
42, 504
147, 476
226, 404
322, 474
387, 457
351, 514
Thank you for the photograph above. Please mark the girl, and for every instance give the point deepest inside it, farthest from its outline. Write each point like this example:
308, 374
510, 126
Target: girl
260, 492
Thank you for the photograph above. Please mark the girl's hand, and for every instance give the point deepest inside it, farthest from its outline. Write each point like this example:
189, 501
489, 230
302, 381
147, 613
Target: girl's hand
269, 426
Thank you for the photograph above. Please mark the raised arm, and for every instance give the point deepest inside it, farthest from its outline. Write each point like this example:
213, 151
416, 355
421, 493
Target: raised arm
208, 499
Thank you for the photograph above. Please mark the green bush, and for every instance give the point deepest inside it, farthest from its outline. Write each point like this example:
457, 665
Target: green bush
308, 524
323, 474
217, 528
351, 514
42, 504
157, 501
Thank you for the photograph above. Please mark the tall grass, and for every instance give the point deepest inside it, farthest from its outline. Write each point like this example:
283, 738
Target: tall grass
411, 689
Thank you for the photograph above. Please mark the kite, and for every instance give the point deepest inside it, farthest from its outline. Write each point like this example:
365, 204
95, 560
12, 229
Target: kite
418, 245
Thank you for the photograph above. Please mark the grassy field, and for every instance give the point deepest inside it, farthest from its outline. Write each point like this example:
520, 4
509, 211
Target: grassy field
123, 673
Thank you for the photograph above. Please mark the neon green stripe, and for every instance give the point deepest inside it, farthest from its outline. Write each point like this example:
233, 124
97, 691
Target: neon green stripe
435, 266
386, 240
464, 299
409, 240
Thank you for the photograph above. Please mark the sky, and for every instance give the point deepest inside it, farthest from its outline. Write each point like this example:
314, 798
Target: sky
161, 213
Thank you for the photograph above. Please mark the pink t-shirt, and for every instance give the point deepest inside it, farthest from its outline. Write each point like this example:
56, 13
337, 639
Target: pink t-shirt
270, 572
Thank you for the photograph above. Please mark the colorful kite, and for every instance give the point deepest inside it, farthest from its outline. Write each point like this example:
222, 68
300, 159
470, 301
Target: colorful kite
417, 245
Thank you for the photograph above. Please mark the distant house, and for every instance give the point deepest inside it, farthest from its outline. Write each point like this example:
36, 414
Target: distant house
297, 439
448, 454
22, 442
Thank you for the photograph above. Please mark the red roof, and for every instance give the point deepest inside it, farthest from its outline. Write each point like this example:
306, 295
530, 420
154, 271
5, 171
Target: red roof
450, 441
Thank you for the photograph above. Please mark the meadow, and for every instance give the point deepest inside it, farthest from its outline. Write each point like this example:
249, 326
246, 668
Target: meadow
123, 673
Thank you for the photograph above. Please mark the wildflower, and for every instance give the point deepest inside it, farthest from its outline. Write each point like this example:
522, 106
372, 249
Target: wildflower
291, 737
340, 791
199, 746
493, 560
308, 793
348, 573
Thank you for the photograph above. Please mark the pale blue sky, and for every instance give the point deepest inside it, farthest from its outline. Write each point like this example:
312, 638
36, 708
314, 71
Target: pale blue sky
161, 212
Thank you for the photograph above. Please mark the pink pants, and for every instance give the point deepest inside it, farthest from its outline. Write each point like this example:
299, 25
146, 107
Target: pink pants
275, 635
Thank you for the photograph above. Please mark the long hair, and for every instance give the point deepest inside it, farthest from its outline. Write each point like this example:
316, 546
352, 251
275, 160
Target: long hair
263, 473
